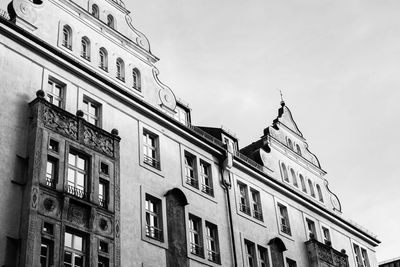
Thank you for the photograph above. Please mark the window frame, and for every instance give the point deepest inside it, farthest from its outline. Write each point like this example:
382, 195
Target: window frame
209, 239
89, 103
86, 172
284, 229
198, 247
85, 48
72, 250
51, 96
67, 37
284, 172
152, 160
120, 69
103, 59
136, 80
95, 11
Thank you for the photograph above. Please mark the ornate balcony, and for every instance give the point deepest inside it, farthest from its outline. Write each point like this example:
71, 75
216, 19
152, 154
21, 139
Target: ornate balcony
320, 254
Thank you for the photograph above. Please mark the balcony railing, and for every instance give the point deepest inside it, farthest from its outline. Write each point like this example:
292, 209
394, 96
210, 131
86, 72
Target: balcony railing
320, 254
151, 161
103, 202
50, 182
286, 229
244, 208
154, 233
196, 249
72, 190
207, 189
213, 256
192, 181
258, 215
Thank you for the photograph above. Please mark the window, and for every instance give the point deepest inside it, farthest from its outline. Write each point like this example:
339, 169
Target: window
67, 37
91, 111
74, 250
110, 21
46, 253
54, 93
103, 246
85, 48
285, 172
195, 236
103, 262
103, 59
53, 145
311, 233
77, 174
310, 184
212, 243
250, 253
290, 144
103, 193
298, 150
95, 11
153, 218
243, 198
263, 260
290, 263
120, 69
190, 170
150, 149
206, 179
303, 184
51, 171
181, 115
326, 236
256, 204
284, 219
104, 169
361, 256
136, 79
364, 257
320, 197
48, 228
294, 178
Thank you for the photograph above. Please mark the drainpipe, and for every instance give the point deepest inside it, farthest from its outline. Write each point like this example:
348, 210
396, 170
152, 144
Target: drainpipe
226, 183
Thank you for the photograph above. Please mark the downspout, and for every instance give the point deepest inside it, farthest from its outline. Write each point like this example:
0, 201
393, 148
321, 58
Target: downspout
226, 183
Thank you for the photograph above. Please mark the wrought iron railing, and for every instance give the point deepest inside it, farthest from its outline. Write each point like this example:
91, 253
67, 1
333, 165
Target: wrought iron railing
154, 232
151, 161
72, 190
50, 182
192, 181
213, 256
196, 249
244, 208
286, 229
207, 189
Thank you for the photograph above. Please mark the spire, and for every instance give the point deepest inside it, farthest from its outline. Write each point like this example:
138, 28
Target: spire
282, 101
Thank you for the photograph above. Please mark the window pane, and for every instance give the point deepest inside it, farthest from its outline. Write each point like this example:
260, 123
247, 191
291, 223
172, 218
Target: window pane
80, 179
81, 163
78, 261
68, 240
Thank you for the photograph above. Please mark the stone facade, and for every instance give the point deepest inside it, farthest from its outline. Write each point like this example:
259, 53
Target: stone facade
159, 191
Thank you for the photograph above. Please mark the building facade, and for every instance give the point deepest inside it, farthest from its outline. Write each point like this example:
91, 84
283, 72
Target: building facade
102, 165
390, 263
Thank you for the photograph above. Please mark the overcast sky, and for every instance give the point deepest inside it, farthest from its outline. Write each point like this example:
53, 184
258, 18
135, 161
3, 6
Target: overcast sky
337, 63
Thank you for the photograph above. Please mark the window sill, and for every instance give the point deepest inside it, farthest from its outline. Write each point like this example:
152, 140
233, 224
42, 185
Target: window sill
251, 218
198, 191
151, 168
156, 242
201, 259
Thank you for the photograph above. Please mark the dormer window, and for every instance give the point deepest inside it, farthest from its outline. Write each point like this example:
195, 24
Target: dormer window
136, 79
290, 144
120, 69
319, 191
95, 11
67, 37
298, 150
285, 173
110, 21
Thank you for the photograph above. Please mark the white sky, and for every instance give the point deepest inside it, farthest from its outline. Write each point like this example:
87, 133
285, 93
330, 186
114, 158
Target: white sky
337, 63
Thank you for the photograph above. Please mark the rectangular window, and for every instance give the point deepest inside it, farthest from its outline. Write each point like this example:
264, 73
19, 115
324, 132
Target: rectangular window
311, 233
48, 228
357, 254
153, 218
181, 115
77, 174
55, 93
263, 260
284, 219
291, 263
91, 111
212, 243
364, 256
103, 193
256, 204
53, 145
243, 198
326, 235
150, 149
74, 250
195, 236
250, 253
51, 171
103, 246
46, 253
206, 179
104, 169
190, 170
103, 262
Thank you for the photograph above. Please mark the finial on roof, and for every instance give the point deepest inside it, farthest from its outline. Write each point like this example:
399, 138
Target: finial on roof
282, 102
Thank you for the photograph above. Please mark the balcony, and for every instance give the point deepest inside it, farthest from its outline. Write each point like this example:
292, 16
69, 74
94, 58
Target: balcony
320, 254
72, 190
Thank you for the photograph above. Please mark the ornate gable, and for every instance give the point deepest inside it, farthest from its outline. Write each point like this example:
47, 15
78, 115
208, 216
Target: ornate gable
285, 117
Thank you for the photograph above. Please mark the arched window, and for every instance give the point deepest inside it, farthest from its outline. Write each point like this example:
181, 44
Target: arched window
312, 192
298, 150
320, 197
285, 173
95, 11
103, 59
290, 144
303, 184
110, 21
120, 69
136, 79
294, 178
85, 48
67, 37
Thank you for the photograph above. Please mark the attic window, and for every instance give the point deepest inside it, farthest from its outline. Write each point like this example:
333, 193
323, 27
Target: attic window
110, 21
290, 144
298, 150
95, 11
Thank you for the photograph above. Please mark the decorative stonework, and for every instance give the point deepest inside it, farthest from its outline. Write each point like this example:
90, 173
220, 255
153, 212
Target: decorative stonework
78, 215
60, 123
98, 141
141, 39
103, 224
35, 198
166, 95
49, 204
